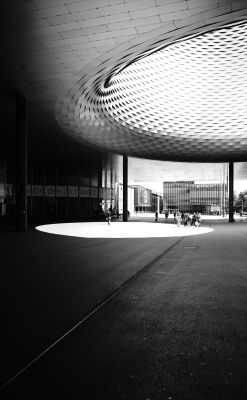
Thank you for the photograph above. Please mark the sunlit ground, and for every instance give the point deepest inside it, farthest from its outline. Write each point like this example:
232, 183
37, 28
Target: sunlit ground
122, 229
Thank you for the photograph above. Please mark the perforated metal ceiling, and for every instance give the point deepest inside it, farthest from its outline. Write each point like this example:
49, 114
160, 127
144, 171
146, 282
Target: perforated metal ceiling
191, 89
182, 96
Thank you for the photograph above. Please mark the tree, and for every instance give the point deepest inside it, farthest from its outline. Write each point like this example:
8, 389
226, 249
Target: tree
241, 201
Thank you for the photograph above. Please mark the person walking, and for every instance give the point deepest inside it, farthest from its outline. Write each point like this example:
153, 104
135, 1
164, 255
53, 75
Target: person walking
156, 216
198, 219
186, 219
178, 218
193, 219
108, 216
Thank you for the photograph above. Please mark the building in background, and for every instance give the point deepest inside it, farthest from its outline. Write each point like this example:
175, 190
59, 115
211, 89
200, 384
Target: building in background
119, 199
189, 196
145, 200
142, 198
156, 202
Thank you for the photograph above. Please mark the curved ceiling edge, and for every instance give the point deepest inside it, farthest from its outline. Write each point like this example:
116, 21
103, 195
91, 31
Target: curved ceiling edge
79, 117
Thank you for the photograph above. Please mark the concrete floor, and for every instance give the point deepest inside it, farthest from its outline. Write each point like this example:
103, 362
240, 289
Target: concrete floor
177, 330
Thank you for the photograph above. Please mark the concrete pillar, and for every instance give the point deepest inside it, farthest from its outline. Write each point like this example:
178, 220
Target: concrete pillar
224, 190
125, 189
231, 191
158, 203
56, 213
21, 164
99, 171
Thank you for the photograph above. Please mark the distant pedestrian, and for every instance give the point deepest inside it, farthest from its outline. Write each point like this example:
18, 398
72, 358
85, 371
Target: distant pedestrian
167, 214
198, 219
178, 219
193, 219
108, 216
186, 219
156, 216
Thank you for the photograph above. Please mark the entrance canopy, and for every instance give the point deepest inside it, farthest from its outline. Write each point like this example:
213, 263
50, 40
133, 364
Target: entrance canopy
180, 96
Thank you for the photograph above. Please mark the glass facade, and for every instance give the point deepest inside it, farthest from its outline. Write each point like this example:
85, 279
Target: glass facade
188, 196
57, 192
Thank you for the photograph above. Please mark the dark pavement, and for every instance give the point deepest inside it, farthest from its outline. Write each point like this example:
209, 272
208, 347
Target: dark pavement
177, 330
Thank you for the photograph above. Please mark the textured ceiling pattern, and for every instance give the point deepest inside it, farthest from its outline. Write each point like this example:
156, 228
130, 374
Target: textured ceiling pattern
180, 95
192, 89
76, 44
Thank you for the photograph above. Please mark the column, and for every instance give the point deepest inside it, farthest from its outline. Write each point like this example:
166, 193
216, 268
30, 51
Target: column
67, 198
21, 164
44, 197
31, 193
78, 195
231, 188
56, 193
225, 185
158, 203
105, 167
111, 184
91, 212
125, 189
99, 171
